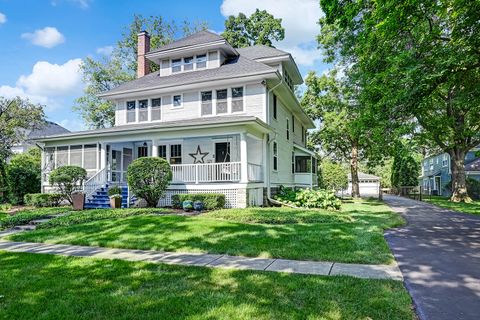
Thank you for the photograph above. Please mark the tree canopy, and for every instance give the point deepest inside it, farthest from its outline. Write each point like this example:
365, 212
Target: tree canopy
259, 28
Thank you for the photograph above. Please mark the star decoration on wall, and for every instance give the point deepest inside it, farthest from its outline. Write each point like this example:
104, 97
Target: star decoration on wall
199, 156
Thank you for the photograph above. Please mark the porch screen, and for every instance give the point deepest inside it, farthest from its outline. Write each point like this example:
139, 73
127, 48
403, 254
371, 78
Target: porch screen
76, 155
206, 103
62, 157
90, 157
237, 99
302, 164
222, 106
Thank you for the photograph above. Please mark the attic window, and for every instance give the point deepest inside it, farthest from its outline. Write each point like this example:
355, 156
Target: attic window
201, 61
188, 64
176, 65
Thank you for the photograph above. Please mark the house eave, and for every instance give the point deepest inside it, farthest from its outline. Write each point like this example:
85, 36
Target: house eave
219, 44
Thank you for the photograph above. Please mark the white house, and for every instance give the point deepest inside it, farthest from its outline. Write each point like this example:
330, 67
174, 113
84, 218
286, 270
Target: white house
226, 119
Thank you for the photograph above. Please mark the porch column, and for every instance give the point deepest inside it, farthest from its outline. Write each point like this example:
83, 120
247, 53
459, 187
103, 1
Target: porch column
243, 158
154, 149
103, 155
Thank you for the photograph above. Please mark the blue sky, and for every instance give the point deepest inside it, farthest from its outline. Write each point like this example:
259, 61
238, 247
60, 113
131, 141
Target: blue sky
45, 40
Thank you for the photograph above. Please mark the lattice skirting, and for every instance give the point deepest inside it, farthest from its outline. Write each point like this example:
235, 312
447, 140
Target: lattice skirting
231, 199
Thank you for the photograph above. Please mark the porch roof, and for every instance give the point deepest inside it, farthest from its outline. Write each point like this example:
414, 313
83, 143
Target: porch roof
208, 122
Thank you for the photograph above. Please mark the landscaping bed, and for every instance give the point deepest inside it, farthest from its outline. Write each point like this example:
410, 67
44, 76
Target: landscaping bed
471, 208
354, 234
35, 286
24, 216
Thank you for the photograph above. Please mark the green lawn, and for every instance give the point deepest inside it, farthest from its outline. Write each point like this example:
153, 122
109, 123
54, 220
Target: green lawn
27, 215
35, 286
472, 208
353, 235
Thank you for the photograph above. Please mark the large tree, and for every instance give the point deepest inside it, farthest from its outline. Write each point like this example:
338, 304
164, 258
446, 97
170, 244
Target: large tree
259, 28
419, 61
120, 66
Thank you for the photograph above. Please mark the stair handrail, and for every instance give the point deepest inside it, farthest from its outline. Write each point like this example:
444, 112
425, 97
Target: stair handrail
95, 182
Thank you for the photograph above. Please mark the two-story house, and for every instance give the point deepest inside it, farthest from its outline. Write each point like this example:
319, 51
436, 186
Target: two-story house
227, 120
437, 174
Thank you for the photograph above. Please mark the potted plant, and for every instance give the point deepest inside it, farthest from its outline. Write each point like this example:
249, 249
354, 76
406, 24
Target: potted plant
198, 206
78, 200
187, 205
115, 194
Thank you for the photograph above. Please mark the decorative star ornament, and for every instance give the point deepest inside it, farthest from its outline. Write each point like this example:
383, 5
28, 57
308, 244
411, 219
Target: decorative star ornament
199, 156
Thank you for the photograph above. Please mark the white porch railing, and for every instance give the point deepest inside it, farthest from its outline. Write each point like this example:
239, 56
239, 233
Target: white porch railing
255, 172
95, 182
206, 172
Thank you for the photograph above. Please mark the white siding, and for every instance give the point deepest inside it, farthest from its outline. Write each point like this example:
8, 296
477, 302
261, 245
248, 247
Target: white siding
120, 113
254, 100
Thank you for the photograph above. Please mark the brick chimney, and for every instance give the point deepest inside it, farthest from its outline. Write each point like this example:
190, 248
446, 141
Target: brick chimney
143, 65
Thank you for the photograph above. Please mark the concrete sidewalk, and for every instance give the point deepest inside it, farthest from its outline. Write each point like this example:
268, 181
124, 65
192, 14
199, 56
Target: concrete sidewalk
211, 260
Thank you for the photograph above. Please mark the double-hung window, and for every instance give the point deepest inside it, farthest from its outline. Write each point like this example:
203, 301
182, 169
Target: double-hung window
201, 61
177, 101
156, 113
188, 64
445, 160
237, 99
206, 108
176, 65
275, 156
176, 154
162, 151
222, 105
142, 110
131, 116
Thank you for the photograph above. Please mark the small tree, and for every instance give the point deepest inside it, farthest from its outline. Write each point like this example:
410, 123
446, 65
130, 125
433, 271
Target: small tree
23, 175
68, 179
149, 178
334, 175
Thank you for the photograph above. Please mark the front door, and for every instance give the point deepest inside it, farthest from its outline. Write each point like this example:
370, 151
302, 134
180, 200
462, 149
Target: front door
222, 152
116, 166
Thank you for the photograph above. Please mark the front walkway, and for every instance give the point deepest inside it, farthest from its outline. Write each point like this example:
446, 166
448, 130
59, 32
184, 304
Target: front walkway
439, 255
211, 260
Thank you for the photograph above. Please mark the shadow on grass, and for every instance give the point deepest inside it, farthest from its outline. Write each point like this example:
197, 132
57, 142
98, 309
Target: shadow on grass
52, 287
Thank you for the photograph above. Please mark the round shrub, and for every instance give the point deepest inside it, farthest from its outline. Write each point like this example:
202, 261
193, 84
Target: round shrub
309, 198
67, 180
149, 178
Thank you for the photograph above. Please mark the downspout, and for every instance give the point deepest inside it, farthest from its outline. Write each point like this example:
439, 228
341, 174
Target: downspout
269, 189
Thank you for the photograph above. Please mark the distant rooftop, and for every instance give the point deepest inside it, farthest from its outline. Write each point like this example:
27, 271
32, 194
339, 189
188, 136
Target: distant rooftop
364, 176
50, 128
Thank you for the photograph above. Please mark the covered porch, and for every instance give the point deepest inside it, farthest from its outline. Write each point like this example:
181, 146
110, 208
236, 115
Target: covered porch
304, 167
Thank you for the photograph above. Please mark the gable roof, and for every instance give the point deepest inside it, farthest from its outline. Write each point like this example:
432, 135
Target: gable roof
236, 67
50, 128
197, 38
260, 52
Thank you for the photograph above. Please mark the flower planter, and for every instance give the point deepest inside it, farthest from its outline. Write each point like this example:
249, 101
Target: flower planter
78, 199
198, 206
187, 205
116, 202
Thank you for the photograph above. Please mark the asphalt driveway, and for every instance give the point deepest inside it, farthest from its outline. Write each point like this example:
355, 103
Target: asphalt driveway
438, 253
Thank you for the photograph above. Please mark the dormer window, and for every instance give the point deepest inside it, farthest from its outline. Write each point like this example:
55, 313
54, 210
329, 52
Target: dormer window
201, 61
188, 64
176, 65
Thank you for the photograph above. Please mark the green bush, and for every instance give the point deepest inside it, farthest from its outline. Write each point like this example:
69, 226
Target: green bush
43, 199
149, 178
25, 216
68, 180
333, 175
309, 198
210, 200
114, 190
23, 175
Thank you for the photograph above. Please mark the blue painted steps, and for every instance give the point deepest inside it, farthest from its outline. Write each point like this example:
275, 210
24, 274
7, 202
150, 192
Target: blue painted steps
99, 199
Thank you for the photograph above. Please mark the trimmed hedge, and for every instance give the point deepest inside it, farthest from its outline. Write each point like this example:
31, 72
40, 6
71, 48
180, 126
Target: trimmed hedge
210, 201
43, 199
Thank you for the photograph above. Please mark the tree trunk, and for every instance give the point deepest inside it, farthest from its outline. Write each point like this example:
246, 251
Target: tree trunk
354, 171
459, 178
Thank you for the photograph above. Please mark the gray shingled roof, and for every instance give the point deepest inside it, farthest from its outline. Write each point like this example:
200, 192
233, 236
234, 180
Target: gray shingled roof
364, 176
473, 165
201, 37
235, 67
49, 129
208, 121
260, 51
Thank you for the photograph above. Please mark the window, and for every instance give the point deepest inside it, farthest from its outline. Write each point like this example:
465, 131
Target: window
131, 116
302, 164
143, 110
303, 134
237, 99
293, 123
188, 64
62, 156
288, 80
177, 101
50, 157
201, 61
156, 112
206, 108
176, 65
162, 151
293, 162
222, 106
176, 154
142, 151
275, 107
76, 155
275, 156
288, 129
445, 160
90, 156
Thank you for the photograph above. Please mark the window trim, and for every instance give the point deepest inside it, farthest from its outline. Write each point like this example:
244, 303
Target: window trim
231, 100
214, 101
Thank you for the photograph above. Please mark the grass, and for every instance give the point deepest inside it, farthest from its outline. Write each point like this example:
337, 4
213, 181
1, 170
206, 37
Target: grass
34, 286
27, 215
354, 234
471, 208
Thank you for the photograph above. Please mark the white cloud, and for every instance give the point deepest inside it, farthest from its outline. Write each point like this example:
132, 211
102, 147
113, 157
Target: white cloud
48, 84
47, 37
299, 18
73, 124
3, 18
106, 51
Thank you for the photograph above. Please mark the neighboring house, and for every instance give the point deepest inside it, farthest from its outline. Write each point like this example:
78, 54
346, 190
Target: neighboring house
226, 119
369, 185
437, 175
50, 128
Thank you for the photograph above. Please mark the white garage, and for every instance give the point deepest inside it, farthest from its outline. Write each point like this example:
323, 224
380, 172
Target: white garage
369, 185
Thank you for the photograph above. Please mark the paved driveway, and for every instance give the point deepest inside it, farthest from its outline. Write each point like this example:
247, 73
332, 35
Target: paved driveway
439, 255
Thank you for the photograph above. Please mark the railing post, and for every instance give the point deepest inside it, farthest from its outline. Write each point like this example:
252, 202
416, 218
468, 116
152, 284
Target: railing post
196, 174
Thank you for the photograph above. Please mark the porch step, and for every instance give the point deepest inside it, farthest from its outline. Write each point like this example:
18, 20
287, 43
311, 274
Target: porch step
100, 198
